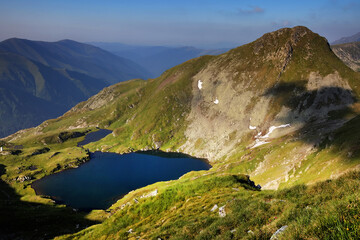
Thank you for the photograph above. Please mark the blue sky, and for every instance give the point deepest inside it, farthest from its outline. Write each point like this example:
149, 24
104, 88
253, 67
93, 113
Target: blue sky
202, 23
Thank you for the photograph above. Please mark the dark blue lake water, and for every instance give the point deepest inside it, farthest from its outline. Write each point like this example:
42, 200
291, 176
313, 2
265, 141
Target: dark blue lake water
108, 176
94, 136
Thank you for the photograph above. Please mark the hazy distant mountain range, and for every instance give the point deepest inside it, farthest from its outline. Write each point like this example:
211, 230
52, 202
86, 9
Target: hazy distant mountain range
75, 56
156, 59
41, 80
353, 38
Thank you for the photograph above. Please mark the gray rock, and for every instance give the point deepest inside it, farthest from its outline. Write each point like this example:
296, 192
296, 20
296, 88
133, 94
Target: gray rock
23, 178
150, 194
278, 232
214, 208
222, 212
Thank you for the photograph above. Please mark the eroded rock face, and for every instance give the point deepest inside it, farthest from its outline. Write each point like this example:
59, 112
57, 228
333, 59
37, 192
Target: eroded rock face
244, 93
99, 100
244, 110
349, 53
255, 97
240, 106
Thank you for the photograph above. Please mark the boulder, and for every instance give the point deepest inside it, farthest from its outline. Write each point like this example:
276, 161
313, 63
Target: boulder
278, 232
214, 208
222, 212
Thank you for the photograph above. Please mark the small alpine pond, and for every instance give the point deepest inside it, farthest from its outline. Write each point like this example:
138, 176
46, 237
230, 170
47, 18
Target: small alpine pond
100, 182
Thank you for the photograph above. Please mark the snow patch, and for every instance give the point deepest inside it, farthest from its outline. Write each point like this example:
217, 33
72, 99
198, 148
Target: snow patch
252, 127
272, 128
216, 101
260, 140
200, 84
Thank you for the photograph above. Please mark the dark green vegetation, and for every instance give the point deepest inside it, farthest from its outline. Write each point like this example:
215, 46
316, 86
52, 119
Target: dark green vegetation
23, 219
289, 77
42, 80
23, 215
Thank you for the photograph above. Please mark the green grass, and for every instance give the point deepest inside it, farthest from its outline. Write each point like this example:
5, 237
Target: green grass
161, 117
327, 210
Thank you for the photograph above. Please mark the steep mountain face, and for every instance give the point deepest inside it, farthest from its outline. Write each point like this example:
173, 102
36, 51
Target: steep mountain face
353, 38
55, 76
157, 59
349, 53
75, 56
286, 85
260, 85
33, 92
282, 109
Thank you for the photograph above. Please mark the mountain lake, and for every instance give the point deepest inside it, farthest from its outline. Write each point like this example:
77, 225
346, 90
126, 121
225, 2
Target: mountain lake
107, 177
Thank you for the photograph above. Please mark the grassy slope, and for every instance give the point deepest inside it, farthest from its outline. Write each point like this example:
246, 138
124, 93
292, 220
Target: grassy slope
182, 210
29, 211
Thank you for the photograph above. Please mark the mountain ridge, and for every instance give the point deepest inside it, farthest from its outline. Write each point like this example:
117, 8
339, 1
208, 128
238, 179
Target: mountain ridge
46, 92
353, 38
75, 56
157, 59
61, 74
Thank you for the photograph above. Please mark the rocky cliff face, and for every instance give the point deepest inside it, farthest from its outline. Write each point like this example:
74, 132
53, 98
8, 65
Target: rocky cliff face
250, 90
349, 53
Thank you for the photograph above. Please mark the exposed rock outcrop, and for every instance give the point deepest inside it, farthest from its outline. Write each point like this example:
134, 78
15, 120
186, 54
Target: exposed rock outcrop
349, 53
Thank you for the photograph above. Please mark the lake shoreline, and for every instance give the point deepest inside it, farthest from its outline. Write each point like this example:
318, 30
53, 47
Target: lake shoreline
107, 177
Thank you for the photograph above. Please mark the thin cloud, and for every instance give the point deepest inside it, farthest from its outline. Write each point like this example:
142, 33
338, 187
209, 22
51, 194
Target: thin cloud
284, 23
352, 6
251, 10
